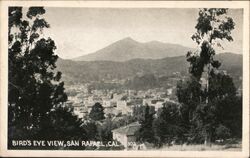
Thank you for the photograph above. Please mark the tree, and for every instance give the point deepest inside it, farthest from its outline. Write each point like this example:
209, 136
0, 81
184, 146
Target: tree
189, 93
222, 132
168, 125
212, 27
104, 130
36, 94
139, 111
91, 130
63, 126
96, 112
229, 114
146, 133
211, 85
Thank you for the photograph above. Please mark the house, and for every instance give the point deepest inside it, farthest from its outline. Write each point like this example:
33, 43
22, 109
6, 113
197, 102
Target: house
124, 107
80, 110
110, 111
106, 103
167, 100
126, 134
109, 103
117, 97
91, 100
158, 105
147, 101
169, 91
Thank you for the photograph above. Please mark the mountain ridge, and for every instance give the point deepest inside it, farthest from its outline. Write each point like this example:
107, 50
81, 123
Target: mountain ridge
97, 71
128, 48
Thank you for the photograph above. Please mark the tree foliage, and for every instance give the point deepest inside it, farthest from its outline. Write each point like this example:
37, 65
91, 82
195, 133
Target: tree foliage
146, 133
206, 91
168, 125
213, 26
91, 130
36, 94
96, 112
139, 111
63, 126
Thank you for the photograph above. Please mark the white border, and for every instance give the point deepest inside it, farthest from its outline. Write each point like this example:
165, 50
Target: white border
122, 4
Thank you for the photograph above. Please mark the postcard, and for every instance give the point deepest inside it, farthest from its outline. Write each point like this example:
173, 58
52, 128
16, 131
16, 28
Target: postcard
124, 78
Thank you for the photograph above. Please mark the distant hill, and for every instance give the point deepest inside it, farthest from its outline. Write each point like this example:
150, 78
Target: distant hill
86, 71
127, 49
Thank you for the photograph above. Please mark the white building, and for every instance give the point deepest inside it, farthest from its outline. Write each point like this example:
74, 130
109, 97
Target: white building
80, 110
158, 105
169, 91
123, 107
126, 134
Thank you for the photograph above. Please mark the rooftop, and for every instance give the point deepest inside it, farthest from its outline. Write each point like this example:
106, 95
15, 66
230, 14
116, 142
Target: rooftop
129, 129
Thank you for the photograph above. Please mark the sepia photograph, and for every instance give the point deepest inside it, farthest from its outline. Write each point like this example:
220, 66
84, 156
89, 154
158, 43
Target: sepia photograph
126, 79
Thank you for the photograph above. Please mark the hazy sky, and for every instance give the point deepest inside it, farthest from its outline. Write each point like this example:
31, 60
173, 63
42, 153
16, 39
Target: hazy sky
79, 31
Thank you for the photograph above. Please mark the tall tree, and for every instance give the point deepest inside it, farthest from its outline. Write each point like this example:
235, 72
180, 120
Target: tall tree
168, 126
36, 94
212, 27
96, 112
146, 133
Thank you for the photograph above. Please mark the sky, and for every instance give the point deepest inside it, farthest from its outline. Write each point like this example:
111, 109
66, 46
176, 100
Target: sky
80, 31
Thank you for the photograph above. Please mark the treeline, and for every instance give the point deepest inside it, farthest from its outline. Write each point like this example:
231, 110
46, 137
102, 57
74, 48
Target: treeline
188, 123
210, 107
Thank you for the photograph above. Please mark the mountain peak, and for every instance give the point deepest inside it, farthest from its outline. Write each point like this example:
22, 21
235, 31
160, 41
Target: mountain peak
128, 39
128, 48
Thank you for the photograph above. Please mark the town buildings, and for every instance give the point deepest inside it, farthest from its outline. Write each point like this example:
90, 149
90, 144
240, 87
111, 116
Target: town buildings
82, 98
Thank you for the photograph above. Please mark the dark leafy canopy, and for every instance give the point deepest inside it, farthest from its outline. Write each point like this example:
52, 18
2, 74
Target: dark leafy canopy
189, 92
91, 130
105, 130
96, 112
36, 94
146, 133
204, 95
63, 126
168, 125
139, 112
34, 11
